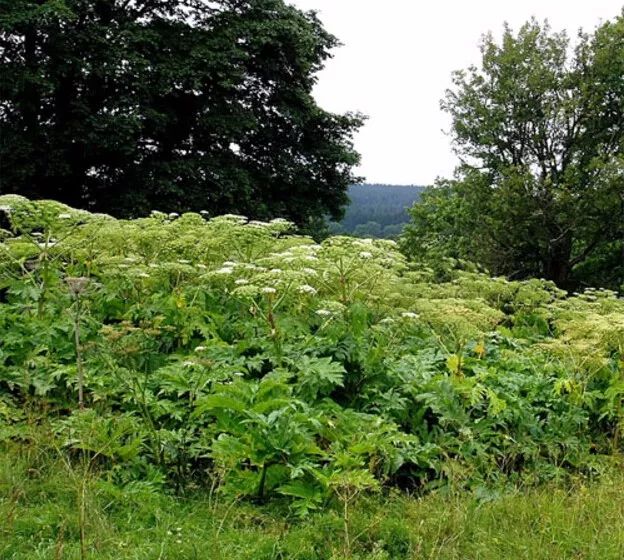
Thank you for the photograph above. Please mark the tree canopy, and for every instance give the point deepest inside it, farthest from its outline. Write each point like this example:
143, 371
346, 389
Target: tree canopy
123, 106
539, 129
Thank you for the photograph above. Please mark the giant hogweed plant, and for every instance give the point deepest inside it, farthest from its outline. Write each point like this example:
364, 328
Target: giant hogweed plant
261, 364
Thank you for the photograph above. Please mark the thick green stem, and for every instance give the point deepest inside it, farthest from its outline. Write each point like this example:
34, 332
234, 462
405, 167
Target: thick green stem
79, 364
262, 483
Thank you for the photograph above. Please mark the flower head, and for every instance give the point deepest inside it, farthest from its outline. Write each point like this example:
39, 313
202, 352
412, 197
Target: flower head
409, 315
306, 289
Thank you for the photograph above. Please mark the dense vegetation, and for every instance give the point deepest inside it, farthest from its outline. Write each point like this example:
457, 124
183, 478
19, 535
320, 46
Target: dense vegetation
376, 210
539, 127
236, 360
123, 106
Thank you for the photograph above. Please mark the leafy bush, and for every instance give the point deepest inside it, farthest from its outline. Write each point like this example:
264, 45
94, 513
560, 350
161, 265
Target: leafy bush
239, 357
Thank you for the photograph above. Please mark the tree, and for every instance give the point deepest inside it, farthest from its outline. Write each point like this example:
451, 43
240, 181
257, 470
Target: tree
123, 106
539, 129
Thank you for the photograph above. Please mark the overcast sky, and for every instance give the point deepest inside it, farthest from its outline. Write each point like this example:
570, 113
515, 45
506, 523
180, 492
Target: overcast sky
397, 60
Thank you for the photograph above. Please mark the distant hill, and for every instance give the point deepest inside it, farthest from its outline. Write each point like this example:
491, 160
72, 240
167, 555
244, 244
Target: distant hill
377, 210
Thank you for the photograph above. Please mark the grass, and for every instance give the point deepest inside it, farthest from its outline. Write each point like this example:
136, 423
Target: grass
40, 499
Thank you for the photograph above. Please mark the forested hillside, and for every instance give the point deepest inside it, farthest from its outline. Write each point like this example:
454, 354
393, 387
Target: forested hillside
377, 210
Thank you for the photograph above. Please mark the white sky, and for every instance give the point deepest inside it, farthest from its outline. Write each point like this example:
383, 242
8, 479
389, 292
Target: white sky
397, 60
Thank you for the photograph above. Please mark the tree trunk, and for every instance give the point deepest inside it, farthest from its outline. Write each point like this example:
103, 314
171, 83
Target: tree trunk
557, 265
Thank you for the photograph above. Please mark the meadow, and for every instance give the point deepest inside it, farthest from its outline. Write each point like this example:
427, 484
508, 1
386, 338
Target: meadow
213, 387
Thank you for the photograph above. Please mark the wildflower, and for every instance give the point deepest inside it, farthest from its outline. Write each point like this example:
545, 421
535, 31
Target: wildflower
200, 349
143, 275
235, 218
64, 216
323, 312
77, 285
204, 212
366, 255
310, 271
46, 245
202, 266
173, 215
310, 258
224, 270
409, 315
152, 265
241, 282
275, 271
229, 264
5, 209
184, 261
268, 290
306, 289
188, 363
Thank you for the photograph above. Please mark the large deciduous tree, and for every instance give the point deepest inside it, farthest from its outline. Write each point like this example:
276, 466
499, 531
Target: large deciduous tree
539, 129
127, 105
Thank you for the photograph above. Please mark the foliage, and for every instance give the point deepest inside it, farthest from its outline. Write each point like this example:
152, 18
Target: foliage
180, 105
538, 128
236, 357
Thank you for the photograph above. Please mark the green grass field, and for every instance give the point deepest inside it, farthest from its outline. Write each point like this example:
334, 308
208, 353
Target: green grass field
40, 512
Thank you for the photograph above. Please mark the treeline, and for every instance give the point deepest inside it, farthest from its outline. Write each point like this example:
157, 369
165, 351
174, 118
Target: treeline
377, 210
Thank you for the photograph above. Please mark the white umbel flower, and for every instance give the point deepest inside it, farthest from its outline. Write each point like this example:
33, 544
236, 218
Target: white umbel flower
307, 289
409, 315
